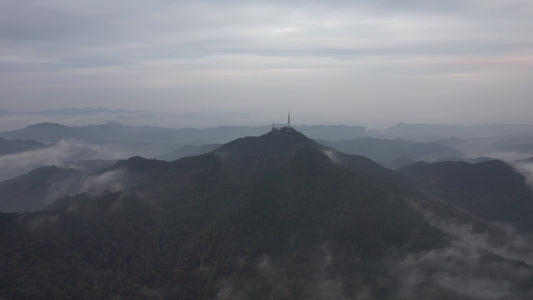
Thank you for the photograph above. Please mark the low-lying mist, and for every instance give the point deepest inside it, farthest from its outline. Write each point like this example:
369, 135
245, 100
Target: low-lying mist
495, 264
62, 154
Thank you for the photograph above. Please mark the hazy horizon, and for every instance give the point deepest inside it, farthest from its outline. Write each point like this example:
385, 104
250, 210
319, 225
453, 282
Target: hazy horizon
82, 116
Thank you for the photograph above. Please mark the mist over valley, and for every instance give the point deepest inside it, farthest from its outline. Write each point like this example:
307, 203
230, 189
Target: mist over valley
240, 212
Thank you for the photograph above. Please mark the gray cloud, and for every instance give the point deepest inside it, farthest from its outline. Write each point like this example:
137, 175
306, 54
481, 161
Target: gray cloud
525, 168
112, 181
459, 272
410, 56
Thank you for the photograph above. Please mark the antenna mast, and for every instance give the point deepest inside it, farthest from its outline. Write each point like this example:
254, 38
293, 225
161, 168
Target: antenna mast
289, 120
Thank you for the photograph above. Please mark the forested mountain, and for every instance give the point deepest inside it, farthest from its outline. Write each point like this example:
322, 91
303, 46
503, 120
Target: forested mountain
38, 188
277, 216
492, 190
41, 186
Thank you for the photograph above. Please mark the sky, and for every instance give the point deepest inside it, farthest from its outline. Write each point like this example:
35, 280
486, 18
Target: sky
332, 62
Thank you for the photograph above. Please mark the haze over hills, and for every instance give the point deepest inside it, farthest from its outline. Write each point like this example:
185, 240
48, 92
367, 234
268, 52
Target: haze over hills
16, 146
152, 141
188, 151
113, 131
432, 132
11, 120
273, 216
382, 150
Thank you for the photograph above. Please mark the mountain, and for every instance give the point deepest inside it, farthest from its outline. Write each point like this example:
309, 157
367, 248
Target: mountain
188, 151
467, 160
45, 132
16, 164
41, 186
421, 132
15, 146
88, 166
115, 132
434, 132
297, 217
86, 111
383, 150
520, 148
397, 163
454, 142
332, 132
257, 156
97, 134
36, 189
491, 190
277, 216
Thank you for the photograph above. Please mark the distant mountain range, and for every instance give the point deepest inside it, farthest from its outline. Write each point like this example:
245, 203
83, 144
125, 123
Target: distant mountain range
114, 132
277, 216
383, 150
416, 141
433, 132
150, 141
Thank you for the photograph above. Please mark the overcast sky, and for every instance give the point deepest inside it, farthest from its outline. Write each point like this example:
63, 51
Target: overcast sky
352, 62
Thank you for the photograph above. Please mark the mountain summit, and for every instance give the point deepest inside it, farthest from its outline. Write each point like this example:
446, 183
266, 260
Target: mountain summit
277, 142
256, 156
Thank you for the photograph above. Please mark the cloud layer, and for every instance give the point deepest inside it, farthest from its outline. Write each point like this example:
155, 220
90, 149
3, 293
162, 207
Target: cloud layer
420, 59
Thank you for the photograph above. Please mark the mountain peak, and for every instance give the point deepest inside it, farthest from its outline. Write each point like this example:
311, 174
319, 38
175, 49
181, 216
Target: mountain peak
278, 140
48, 126
288, 132
285, 129
266, 152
